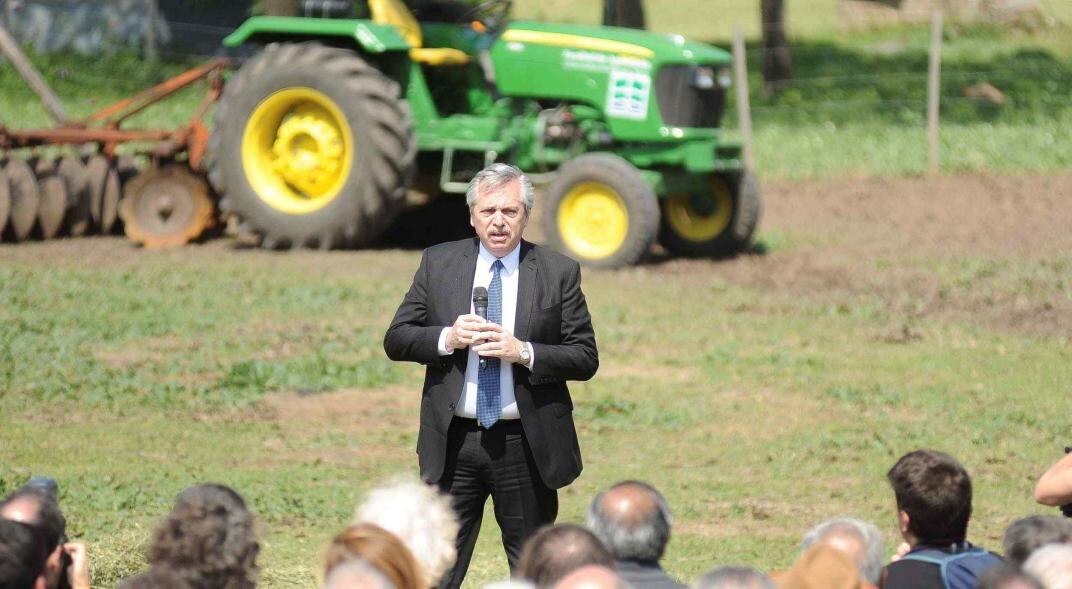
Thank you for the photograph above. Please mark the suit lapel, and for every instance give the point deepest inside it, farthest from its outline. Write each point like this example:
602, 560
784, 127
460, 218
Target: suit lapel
526, 290
462, 293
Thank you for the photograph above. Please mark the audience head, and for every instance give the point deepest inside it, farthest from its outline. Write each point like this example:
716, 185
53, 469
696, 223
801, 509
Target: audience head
421, 517
22, 556
822, 566
38, 508
591, 577
734, 577
356, 573
209, 538
555, 551
632, 520
859, 540
1052, 565
377, 548
934, 497
1027, 534
1007, 576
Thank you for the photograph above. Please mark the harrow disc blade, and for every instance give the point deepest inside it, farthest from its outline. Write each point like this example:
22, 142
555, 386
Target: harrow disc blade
76, 181
165, 207
25, 199
5, 200
103, 192
53, 205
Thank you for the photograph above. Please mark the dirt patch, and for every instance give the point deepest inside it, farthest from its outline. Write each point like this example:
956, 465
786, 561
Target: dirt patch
357, 410
895, 240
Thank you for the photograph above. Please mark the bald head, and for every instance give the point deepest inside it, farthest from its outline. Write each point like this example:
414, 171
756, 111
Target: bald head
33, 507
591, 577
859, 540
555, 551
633, 521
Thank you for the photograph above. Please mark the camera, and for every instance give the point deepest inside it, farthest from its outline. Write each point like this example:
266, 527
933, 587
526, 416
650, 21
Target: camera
1066, 509
51, 489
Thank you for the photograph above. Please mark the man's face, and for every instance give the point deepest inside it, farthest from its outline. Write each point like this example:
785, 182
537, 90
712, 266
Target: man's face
498, 215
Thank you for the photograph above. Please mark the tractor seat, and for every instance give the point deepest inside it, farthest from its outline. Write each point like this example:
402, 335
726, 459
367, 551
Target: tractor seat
395, 13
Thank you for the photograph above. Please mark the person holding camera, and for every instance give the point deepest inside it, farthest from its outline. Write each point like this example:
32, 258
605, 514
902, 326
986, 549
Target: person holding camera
36, 506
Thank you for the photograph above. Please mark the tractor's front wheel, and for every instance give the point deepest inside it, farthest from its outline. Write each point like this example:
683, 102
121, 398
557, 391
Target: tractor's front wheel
601, 211
720, 222
311, 147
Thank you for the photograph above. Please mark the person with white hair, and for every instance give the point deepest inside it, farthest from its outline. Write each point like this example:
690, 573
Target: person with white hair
1052, 564
734, 577
421, 517
859, 540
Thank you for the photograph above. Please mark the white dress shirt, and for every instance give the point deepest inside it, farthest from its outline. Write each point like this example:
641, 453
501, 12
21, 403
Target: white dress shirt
466, 407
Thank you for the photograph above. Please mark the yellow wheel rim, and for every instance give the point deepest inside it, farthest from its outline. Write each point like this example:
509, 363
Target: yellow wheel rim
297, 150
593, 220
696, 223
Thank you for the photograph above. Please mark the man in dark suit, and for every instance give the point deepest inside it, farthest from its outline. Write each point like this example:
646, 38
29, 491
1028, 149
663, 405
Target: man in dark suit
496, 416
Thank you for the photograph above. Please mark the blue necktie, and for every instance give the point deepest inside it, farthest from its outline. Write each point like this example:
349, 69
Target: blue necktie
488, 403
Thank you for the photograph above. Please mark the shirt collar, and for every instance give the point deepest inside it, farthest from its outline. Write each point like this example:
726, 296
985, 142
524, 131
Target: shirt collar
510, 261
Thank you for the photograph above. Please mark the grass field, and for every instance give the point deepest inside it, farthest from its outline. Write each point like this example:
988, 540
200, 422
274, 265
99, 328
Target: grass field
762, 394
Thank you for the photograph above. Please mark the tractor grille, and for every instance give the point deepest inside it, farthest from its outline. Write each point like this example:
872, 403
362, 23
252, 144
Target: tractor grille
682, 103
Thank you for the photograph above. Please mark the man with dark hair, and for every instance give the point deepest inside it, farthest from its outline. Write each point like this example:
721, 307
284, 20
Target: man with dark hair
934, 504
555, 551
1028, 534
66, 562
22, 556
633, 522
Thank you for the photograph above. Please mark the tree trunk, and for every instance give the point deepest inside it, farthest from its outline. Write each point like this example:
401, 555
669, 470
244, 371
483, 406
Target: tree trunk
623, 13
777, 60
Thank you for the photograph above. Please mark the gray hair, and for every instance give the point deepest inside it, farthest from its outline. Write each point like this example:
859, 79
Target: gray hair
644, 538
421, 517
496, 175
1052, 564
356, 573
734, 577
1027, 534
870, 538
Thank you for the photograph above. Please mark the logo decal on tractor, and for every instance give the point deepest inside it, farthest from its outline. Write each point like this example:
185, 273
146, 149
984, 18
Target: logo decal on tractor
627, 95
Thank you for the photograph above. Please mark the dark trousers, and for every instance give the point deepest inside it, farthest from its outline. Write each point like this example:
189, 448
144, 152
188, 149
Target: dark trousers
495, 462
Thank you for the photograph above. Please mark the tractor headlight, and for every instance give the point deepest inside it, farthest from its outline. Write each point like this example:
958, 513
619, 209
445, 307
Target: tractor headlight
703, 78
725, 78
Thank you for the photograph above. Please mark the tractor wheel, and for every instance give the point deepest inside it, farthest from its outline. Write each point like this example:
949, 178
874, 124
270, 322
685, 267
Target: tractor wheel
78, 219
312, 147
166, 207
5, 201
53, 207
25, 198
719, 224
601, 211
103, 192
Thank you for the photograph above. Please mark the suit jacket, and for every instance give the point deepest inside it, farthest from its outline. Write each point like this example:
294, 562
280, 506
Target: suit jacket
645, 575
551, 314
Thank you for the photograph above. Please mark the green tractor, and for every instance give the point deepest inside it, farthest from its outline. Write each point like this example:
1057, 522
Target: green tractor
337, 122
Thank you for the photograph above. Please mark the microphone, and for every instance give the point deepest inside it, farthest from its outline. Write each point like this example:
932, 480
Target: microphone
480, 307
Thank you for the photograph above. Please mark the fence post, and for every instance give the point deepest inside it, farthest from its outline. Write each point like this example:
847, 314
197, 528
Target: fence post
934, 77
151, 49
744, 108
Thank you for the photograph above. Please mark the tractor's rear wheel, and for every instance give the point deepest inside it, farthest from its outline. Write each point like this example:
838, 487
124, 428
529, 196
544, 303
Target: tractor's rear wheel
312, 147
718, 223
601, 211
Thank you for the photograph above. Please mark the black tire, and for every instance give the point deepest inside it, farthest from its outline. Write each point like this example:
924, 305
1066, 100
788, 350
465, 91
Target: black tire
369, 195
717, 233
594, 235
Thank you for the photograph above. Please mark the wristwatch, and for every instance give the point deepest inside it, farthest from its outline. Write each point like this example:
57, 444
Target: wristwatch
525, 356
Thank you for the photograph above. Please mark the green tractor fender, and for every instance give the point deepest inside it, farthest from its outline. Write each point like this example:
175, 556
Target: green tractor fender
371, 37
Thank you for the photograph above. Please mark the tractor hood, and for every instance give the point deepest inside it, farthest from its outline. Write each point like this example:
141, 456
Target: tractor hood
630, 43
649, 87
